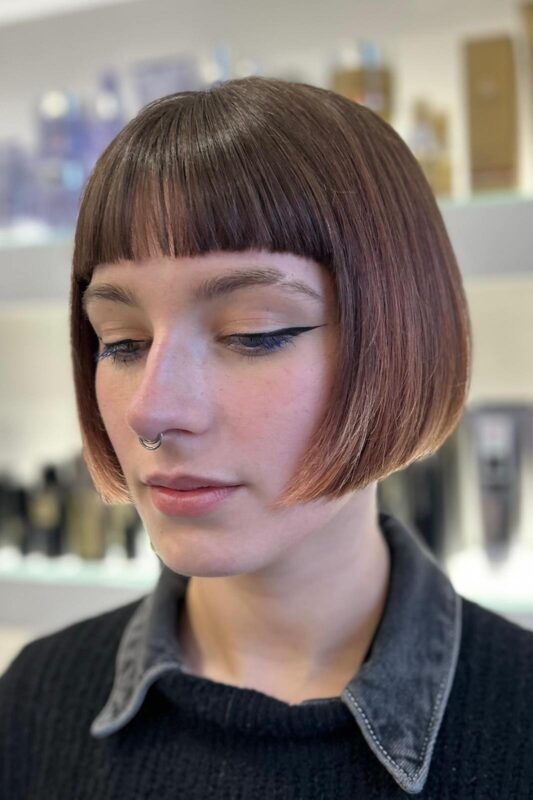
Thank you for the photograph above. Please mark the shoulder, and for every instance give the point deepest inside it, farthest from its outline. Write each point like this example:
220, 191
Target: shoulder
492, 633
494, 666
51, 691
484, 745
80, 644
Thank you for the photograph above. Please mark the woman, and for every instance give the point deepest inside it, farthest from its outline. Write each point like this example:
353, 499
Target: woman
264, 300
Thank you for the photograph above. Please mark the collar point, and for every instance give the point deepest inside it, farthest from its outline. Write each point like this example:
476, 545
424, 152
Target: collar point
411, 785
104, 725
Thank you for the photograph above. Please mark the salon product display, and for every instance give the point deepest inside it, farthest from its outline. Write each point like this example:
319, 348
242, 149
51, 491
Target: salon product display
61, 514
40, 186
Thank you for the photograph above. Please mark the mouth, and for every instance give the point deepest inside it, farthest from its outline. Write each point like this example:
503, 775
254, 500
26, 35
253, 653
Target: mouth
189, 492
182, 482
190, 502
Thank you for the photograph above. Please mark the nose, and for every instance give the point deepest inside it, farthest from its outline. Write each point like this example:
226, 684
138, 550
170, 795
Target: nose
172, 392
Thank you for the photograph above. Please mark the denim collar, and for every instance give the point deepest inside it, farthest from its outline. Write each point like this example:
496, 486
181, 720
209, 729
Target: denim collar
398, 696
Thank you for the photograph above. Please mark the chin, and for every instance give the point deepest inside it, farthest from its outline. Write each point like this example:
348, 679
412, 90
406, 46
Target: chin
208, 561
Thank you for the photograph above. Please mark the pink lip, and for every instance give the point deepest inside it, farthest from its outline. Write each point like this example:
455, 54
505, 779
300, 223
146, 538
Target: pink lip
192, 502
184, 482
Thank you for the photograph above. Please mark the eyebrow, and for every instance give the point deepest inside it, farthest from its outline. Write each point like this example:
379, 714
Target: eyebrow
209, 289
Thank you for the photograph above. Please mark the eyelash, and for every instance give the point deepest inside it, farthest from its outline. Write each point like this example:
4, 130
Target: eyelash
124, 352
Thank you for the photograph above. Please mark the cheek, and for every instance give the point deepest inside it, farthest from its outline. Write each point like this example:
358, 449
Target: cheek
110, 400
278, 414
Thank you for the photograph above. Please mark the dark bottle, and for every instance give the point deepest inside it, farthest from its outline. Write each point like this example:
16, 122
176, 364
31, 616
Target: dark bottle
14, 525
131, 533
121, 523
46, 513
85, 515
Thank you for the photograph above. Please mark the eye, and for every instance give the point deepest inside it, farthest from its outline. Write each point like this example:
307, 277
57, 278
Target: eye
127, 351
122, 352
265, 343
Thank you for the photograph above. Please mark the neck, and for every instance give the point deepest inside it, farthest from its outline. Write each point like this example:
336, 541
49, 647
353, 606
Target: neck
298, 629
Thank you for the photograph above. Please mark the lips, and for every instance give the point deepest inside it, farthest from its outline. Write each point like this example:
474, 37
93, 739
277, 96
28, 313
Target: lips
185, 483
191, 502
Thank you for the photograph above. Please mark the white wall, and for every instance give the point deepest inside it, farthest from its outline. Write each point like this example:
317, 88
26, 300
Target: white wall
38, 422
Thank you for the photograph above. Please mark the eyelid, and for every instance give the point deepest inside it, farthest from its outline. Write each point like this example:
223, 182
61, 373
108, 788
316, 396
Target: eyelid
282, 338
293, 329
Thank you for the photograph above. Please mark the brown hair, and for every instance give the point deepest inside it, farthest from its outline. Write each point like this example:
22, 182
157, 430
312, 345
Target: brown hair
266, 164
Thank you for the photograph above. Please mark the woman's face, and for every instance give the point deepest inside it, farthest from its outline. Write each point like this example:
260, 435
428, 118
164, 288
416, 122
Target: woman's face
228, 407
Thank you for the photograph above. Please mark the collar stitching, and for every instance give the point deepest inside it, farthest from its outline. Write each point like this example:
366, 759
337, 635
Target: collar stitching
380, 746
430, 728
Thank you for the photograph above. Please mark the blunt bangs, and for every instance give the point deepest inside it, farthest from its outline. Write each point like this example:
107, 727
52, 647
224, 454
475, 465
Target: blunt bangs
194, 174
265, 164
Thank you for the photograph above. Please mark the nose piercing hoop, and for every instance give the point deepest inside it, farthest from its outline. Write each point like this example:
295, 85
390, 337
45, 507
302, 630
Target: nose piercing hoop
150, 444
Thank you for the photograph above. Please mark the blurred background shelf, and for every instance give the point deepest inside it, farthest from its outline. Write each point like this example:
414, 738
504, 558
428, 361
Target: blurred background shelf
33, 236
73, 571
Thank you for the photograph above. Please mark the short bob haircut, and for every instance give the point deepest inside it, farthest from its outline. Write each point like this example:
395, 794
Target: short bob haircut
266, 164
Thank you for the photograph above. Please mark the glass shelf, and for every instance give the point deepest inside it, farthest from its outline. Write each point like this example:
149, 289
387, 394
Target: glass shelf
113, 571
495, 198
34, 236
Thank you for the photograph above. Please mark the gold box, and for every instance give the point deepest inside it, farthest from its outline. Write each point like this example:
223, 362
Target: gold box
370, 87
492, 113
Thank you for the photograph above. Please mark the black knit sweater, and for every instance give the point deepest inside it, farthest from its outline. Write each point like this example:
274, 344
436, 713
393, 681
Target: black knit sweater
195, 738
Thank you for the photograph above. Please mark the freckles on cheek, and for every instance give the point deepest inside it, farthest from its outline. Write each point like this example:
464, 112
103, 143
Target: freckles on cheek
276, 426
301, 402
289, 401
110, 405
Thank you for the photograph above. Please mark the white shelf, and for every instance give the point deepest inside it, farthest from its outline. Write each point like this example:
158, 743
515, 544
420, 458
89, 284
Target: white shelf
112, 572
16, 237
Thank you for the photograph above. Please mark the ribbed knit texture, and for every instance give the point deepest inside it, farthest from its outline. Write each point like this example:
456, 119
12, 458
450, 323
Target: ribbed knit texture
197, 739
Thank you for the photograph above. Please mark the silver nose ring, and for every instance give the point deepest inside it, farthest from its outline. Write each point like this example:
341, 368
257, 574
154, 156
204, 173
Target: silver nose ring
150, 444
